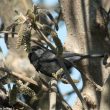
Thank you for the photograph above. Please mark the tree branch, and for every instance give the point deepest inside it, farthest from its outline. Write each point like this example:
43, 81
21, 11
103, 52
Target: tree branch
52, 94
23, 78
72, 83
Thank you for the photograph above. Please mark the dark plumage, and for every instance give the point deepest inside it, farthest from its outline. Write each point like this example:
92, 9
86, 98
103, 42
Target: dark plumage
45, 61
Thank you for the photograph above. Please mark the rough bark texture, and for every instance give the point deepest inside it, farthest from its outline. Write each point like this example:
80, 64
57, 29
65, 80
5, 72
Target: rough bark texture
86, 35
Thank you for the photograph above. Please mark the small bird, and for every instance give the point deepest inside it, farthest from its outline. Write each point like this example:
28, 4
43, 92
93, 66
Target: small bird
45, 60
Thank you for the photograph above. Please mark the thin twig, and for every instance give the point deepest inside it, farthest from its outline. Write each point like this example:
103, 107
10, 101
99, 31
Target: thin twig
8, 32
38, 31
23, 78
4, 101
72, 83
27, 107
64, 103
68, 93
45, 39
98, 87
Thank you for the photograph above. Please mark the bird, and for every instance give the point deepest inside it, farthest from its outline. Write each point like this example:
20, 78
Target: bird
45, 60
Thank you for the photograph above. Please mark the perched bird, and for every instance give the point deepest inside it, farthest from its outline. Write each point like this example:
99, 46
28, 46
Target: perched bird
45, 61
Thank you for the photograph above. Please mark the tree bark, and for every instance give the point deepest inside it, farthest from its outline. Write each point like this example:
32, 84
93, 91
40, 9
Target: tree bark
86, 35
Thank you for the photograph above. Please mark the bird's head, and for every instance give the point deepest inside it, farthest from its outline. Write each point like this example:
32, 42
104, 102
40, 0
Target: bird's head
35, 53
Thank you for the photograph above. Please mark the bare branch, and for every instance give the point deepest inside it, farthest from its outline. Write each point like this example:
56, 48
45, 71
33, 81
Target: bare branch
23, 78
105, 95
72, 83
98, 87
19, 102
64, 103
8, 32
52, 94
